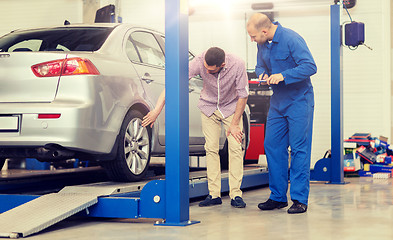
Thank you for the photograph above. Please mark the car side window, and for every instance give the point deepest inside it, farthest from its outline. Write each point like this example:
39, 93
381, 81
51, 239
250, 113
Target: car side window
190, 55
60, 47
149, 50
27, 45
131, 52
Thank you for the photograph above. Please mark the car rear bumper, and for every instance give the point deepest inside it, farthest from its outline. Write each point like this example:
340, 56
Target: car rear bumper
79, 127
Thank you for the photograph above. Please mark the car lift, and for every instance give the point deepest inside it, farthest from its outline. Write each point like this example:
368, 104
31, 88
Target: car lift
23, 215
31, 214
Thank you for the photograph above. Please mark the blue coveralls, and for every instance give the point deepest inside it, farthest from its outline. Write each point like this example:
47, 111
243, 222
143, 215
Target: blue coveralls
290, 117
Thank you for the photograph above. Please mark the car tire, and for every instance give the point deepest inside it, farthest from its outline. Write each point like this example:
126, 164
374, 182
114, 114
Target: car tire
224, 155
133, 153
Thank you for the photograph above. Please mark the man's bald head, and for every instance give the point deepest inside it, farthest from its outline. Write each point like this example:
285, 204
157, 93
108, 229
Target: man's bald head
259, 21
260, 28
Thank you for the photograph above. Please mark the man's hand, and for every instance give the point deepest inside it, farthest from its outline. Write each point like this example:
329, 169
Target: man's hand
235, 131
150, 118
263, 77
275, 79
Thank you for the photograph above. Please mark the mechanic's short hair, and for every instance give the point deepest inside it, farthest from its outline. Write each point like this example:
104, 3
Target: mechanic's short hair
263, 22
215, 56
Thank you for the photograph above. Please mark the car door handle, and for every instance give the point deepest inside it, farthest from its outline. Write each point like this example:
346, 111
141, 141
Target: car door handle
147, 78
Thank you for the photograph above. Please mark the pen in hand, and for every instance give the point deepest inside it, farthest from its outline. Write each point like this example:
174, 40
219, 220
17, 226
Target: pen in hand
261, 78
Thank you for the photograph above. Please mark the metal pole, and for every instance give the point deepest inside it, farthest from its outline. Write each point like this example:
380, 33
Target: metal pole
176, 113
337, 162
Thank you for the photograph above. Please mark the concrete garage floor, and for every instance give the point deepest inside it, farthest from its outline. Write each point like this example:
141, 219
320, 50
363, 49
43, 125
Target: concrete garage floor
362, 209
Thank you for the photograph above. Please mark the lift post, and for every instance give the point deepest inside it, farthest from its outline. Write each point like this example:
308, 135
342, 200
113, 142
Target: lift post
176, 113
332, 169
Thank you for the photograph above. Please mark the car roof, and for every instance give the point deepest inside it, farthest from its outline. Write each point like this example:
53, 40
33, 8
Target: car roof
68, 26
76, 25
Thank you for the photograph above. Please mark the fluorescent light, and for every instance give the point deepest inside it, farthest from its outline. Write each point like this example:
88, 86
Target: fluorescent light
262, 6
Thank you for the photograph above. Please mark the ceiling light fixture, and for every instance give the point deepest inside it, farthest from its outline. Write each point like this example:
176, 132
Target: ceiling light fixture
262, 6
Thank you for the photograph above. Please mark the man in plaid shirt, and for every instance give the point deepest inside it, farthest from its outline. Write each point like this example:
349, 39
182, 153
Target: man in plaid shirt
222, 101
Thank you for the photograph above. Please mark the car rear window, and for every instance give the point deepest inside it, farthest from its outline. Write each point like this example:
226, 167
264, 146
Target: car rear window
55, 39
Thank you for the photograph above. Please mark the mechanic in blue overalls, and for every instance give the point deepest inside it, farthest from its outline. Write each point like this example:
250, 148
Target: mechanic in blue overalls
285, 63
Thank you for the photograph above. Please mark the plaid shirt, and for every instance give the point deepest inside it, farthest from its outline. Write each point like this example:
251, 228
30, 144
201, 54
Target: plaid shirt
221, 91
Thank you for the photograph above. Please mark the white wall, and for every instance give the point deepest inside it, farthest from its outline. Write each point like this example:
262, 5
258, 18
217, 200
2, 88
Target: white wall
149, 13
17, 14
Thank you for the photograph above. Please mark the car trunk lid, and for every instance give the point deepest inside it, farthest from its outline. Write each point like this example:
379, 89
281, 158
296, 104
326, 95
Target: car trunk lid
18, 83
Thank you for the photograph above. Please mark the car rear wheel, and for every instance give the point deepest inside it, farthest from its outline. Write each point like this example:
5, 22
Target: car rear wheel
224, 156
133, 153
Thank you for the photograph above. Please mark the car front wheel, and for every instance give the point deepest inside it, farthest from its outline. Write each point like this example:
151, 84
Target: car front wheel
133, 153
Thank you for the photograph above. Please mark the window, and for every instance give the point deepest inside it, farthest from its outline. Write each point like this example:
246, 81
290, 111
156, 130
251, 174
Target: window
190, 55
149, 50
56, 39
131, 51
28, 45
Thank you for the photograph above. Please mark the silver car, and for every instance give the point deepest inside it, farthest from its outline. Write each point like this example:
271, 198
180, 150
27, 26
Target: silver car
80, 91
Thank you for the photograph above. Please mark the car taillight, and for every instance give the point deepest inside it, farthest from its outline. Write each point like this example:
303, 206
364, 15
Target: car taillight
70, 66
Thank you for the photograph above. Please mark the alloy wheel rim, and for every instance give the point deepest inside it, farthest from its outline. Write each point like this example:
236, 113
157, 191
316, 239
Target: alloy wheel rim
136, 146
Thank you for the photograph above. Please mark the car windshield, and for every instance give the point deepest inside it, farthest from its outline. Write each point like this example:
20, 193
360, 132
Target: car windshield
55, 39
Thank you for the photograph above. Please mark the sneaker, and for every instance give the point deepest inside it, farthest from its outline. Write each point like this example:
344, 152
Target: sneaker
297, 207
271, 204
210, 201
238, 202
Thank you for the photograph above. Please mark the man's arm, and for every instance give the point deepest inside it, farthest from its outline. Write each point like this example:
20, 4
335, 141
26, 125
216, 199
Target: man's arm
306, 66
260, 68
234, 128
242, 93
194, 66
